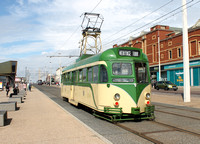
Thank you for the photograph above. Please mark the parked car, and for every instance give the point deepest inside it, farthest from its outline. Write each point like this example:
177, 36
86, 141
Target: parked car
166, 85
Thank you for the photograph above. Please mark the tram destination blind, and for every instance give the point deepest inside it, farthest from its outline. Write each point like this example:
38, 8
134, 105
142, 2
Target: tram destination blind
131, 53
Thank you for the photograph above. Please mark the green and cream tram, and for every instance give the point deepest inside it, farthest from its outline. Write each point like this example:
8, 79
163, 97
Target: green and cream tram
114, 83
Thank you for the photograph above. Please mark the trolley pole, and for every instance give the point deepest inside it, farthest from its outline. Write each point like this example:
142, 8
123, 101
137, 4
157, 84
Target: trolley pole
185, 55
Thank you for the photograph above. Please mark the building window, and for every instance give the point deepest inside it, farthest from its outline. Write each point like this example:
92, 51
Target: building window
153, 37
199, 48
162, 56
179, 52
170, 43
170, 54
161, 46
193, 48
162, 27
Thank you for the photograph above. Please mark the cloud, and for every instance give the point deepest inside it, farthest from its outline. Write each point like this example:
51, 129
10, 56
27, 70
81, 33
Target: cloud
51, 26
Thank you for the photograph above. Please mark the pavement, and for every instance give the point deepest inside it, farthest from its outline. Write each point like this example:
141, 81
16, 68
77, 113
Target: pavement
40, 120
177, 99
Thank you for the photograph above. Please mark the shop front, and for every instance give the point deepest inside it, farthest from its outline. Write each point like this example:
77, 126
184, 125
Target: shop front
175, 73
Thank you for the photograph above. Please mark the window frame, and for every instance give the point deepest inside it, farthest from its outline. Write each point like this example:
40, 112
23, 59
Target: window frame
123, 74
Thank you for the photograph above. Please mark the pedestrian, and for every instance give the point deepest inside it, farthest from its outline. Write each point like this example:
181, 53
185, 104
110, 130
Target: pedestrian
7, 89
14, 91
24, 86
29, 87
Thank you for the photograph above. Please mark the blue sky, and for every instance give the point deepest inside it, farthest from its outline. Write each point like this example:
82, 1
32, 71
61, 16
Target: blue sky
30, 30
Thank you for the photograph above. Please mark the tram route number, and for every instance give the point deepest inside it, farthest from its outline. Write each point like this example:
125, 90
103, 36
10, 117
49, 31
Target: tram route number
133, 53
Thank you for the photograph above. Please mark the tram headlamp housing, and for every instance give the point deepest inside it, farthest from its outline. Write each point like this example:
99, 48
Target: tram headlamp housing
148, 96
117, 96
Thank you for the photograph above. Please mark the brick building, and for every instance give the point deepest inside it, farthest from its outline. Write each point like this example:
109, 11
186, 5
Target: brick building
171, 52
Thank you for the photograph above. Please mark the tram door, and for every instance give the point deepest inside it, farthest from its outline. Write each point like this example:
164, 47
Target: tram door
72, 87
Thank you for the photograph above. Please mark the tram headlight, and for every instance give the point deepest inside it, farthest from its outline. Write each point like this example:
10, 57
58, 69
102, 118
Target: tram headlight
148, 96
117, 96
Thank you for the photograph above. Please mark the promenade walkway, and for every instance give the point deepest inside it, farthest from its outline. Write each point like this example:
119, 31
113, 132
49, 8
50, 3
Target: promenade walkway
40, 120
177, 99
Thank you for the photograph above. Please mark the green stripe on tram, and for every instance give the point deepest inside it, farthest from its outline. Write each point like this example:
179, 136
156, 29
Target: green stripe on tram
84, 85
133, 91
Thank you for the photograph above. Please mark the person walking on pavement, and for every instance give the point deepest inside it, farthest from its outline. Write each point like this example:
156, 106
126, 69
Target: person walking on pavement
7, 89
29, 86
24, 86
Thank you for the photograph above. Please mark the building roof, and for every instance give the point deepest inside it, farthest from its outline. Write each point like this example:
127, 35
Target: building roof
7, 68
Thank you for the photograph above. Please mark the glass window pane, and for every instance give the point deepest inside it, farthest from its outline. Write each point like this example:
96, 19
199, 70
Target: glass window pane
141, 72
103, 74
80, 75
84, 74
122, 69
90, 74
95, 73
73, 76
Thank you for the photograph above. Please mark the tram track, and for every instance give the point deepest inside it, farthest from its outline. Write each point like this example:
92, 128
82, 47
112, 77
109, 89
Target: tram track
142, 135
177, 128
153, 140
177, 115
178, 108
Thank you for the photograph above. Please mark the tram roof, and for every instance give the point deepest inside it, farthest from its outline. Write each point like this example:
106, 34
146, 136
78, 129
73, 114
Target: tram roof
110, 54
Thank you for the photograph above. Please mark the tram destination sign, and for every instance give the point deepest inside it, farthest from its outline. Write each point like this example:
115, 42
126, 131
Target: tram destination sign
131, 53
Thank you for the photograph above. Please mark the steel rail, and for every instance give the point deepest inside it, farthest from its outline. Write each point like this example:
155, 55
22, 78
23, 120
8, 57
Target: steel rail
175, 107
139, 134
178, 115
177, 129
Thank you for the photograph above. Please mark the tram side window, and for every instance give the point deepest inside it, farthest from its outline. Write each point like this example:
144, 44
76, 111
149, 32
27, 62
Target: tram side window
77, 76
73, 76
62, 78
67, 77
95, 73
103, 74
84, 74
90, 74
80, 75
141, 72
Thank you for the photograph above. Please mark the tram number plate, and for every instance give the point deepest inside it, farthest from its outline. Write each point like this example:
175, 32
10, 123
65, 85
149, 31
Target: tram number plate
133, 53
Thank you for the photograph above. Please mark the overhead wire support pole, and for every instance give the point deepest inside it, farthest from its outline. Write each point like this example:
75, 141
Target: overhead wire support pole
186, 55
159, 69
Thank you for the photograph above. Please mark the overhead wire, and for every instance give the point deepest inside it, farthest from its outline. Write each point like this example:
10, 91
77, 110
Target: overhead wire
149, 23
141, 18
80, 25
